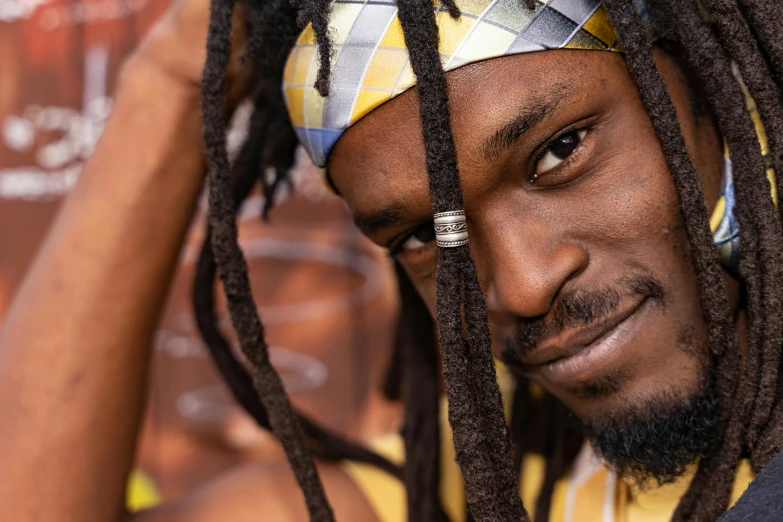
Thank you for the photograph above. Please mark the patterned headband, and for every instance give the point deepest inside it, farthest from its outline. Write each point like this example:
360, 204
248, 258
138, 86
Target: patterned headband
371, 63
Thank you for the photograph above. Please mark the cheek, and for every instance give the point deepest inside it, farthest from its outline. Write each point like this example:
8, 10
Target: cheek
633, 214
640, 220
642, 229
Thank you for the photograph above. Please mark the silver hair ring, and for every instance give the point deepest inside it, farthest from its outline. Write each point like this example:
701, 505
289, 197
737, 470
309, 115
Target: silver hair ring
451, 229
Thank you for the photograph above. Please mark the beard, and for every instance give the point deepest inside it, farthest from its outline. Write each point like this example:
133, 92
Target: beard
649, 441
652, 443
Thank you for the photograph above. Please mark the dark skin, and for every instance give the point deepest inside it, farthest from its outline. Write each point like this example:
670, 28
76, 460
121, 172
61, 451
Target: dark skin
566, 190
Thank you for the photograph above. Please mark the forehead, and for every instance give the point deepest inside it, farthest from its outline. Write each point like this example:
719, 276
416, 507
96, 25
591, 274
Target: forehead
386, 148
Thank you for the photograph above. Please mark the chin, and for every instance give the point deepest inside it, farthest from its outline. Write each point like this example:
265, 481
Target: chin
651, 436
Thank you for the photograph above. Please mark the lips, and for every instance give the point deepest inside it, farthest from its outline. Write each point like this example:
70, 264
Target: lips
572, 343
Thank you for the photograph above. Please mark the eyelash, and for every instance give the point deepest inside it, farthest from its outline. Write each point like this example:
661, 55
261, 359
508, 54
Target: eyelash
545, 149
396, 247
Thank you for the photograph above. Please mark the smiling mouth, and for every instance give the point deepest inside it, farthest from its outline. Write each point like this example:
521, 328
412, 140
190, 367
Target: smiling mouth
569, 356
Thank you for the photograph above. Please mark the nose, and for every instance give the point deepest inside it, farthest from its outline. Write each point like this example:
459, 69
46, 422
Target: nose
526, 265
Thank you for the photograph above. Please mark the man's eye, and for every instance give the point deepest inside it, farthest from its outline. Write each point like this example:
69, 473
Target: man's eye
419, 238
558, 151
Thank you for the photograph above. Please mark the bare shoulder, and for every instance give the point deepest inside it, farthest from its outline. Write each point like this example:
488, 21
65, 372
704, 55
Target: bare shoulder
266, 491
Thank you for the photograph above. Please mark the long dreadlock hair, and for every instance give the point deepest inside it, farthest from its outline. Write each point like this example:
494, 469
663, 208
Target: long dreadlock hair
715, 35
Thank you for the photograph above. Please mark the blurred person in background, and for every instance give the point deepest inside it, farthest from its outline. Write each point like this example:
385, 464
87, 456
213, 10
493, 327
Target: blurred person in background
626, 318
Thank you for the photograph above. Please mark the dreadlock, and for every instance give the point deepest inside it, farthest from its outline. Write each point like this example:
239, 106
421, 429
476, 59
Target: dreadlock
760, 15
708, 494
271, 144
232, 267
737, 39
715, 36
421, 391
481, 436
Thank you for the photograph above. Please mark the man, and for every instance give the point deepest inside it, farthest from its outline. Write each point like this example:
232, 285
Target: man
557, 185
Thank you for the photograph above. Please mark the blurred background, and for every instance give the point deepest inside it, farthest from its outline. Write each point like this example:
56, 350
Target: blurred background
327, 295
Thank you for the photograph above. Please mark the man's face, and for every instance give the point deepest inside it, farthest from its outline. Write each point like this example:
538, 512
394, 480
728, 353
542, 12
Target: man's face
573, 222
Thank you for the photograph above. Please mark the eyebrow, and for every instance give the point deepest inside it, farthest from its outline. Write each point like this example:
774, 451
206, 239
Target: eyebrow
536, 110
371, 222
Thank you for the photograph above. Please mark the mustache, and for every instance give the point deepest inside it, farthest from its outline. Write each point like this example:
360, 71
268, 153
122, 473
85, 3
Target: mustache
581, 308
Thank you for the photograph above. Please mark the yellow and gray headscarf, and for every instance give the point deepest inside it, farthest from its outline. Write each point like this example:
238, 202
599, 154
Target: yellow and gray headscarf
371, 63
371, 67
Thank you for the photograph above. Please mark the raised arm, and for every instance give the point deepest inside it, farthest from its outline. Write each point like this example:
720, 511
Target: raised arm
75, 345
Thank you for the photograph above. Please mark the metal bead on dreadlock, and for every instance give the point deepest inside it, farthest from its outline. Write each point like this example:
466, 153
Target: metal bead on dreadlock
451, 229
